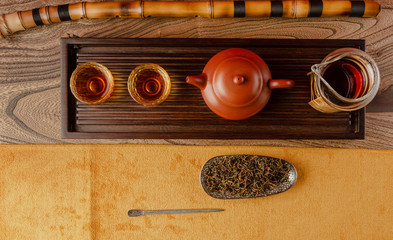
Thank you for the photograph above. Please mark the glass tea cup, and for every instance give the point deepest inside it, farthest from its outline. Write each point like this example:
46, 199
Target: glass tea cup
92, 83
346, 80
149, 84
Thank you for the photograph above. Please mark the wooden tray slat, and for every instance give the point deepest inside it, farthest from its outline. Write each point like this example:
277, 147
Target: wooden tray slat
184, 114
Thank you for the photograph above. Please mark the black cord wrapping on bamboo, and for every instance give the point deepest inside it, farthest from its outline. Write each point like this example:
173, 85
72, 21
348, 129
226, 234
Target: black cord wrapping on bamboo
316, 8
239, 9
357, 8
277, 9
37, 17
64, 13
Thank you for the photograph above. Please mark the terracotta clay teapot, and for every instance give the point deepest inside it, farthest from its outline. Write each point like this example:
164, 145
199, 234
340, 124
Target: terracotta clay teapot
236, 83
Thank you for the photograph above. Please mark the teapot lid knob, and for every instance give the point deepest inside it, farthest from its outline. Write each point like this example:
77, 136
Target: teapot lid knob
239, 79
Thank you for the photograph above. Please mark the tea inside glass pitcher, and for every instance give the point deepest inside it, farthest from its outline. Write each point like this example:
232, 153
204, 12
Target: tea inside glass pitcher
346, 80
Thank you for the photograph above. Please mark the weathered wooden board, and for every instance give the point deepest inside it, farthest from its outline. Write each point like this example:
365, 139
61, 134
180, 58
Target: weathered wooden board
30, 69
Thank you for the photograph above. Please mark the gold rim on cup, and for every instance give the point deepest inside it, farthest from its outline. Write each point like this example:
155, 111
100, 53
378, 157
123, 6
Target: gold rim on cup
91, 70
137, 73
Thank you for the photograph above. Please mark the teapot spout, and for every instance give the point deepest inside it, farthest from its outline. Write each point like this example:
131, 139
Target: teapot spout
198, 81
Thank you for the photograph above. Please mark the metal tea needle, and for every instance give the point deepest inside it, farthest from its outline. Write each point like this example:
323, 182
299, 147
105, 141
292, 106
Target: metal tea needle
136, 212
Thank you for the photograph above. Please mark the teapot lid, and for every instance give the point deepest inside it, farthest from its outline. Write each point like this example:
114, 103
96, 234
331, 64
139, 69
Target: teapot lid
237, 77
237, 80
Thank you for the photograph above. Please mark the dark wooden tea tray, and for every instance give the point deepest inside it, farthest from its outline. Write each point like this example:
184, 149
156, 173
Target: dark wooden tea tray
184, 115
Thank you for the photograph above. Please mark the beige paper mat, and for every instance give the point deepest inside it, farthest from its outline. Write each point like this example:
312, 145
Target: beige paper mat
84, 192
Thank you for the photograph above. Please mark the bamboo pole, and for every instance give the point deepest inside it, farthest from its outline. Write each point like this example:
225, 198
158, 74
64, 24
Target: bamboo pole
18, 21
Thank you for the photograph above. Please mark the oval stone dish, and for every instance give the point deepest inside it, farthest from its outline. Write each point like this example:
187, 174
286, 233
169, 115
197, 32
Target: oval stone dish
246, 176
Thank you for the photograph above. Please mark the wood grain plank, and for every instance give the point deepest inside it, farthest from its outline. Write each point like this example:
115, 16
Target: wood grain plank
30, 63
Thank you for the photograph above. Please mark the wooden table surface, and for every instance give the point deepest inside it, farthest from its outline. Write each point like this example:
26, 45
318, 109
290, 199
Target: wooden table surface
30, 68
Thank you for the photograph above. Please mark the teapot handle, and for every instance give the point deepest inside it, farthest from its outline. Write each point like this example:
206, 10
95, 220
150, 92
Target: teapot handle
281, 83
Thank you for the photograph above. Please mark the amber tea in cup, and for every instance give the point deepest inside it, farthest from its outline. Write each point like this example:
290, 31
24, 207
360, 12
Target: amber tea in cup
149, 84
91, 83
